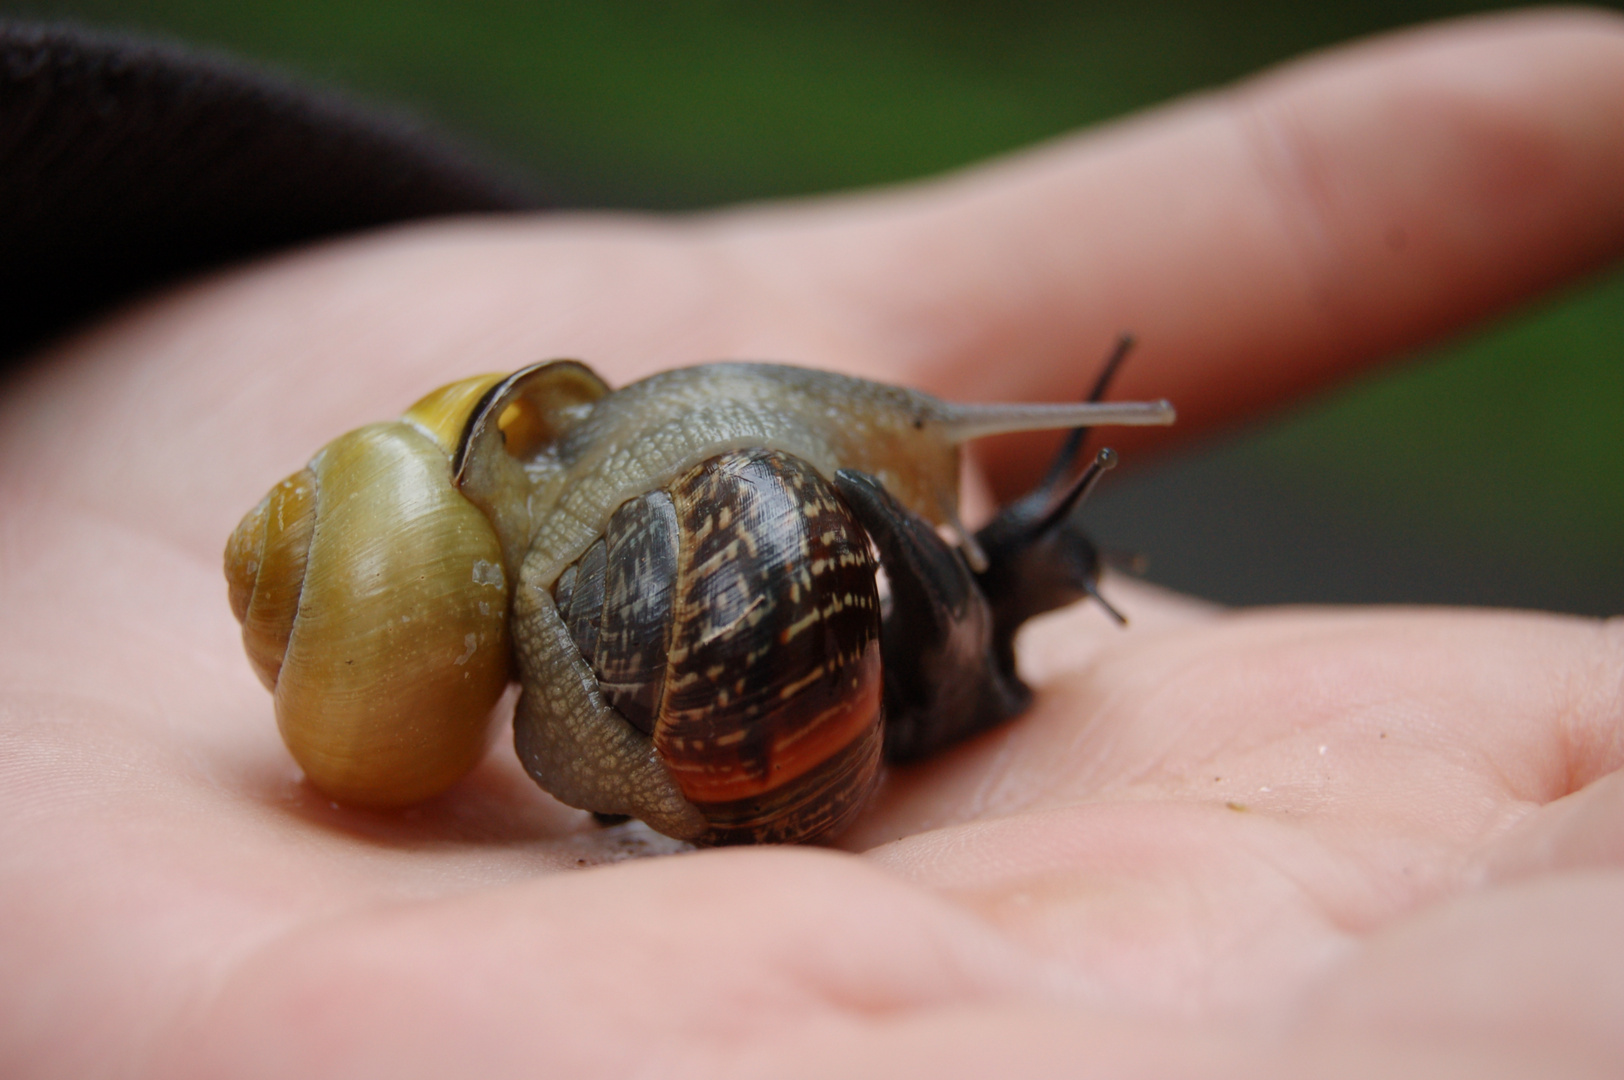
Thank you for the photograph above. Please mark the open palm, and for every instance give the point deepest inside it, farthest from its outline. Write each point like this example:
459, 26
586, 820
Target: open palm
1293, 842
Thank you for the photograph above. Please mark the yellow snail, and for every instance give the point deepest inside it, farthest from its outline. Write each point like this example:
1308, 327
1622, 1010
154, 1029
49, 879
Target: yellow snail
693, 613
374, 607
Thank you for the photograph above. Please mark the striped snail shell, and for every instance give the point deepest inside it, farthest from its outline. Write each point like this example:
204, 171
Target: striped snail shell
732, 618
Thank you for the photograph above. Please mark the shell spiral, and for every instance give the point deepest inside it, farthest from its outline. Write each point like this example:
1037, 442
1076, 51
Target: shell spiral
733, 617
374, 606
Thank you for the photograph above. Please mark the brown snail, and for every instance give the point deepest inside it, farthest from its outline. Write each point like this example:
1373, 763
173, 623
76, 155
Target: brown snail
694, 615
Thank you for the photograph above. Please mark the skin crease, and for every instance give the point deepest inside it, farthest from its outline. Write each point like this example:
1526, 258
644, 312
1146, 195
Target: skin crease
1296, 842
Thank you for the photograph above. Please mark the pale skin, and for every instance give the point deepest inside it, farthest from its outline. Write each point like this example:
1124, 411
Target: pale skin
1267, 843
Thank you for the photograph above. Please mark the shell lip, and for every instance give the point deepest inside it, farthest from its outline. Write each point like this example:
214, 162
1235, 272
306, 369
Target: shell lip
481, 416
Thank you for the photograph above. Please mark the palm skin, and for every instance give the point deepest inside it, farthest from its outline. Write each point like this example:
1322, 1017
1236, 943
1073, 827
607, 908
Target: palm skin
1293, 842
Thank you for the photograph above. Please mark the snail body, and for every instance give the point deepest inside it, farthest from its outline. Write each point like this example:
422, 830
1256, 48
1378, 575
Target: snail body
551, 495
694, 616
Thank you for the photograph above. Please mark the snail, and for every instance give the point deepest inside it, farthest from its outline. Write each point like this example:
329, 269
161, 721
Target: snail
682, 574
373, 604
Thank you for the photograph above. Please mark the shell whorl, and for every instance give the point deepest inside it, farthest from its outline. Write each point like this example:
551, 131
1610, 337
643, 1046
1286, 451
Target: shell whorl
733, 617
265, 570
374, 606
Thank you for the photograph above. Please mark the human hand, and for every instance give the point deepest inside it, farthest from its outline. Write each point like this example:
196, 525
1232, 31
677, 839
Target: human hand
1305, 843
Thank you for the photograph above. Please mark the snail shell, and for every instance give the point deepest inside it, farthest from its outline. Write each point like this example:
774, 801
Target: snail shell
733, 619
374, 606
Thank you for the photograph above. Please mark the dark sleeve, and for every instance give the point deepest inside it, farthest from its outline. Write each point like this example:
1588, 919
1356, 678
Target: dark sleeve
126, 163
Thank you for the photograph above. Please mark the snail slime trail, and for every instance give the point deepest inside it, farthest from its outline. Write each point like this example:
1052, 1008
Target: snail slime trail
679, 573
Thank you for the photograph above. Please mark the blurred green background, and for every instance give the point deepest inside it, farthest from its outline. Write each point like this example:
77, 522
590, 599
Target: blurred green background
1487, 471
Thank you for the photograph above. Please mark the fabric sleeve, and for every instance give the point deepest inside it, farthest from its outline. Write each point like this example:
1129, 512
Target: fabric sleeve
126, 163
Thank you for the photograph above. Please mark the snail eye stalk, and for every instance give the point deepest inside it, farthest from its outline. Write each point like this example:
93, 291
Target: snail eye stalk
1066, 457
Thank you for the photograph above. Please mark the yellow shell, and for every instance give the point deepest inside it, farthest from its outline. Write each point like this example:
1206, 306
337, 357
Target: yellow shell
374, 605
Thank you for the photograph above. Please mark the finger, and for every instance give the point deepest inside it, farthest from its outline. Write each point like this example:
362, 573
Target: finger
1261, 241
1247, 237
1536, 964
1584, 831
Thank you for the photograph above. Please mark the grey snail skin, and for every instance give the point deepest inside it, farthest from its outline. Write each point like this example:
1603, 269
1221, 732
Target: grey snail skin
682, 576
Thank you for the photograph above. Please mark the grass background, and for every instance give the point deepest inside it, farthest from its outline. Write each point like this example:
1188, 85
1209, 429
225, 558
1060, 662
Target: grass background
1488, 471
